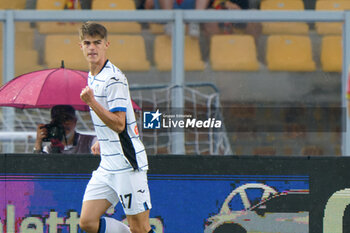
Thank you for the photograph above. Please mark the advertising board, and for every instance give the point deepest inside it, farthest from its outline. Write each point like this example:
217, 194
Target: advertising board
189, 194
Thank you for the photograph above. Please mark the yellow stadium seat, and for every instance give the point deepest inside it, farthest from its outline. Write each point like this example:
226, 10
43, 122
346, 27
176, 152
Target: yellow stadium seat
24, 35
58, 27
117, 27
233, 52
26, 60
324, 28
24, 40
156, 28
55, 27
289, 53
128, 52
50, 4
112, 4
23, 26
284, 27
14, 4
163, 55
282, 5
332, 54
19, 26
64, 47
122, 27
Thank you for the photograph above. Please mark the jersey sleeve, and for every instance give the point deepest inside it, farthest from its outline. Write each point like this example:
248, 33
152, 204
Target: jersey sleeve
117, 94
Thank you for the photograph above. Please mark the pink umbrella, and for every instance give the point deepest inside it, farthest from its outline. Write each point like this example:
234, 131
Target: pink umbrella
46, 88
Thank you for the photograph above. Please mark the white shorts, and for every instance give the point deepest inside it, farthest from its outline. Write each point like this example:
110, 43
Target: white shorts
130, 188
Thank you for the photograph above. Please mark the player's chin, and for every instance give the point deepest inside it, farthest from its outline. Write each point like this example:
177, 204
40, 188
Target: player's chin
91, 59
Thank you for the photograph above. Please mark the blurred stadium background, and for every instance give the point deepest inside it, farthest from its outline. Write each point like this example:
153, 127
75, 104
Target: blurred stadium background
278, 65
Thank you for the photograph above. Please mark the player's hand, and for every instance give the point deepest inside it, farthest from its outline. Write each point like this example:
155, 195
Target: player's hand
87, 95
95, 149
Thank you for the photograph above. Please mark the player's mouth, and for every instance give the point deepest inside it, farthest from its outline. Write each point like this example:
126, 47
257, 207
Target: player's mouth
92, 54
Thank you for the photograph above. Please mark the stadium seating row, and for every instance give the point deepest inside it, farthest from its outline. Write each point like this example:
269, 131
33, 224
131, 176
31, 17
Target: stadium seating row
322, 28
17, 4
25, 55
134, 27
288, 28
227, 53
26, 61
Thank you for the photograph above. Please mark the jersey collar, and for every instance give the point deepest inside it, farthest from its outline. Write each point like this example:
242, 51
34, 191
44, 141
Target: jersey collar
104, 65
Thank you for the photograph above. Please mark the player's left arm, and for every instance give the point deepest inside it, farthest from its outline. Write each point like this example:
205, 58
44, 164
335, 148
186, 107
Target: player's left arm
113, 120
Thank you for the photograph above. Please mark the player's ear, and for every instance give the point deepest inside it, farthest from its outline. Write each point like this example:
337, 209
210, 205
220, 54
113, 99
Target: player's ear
107, 44
81, 45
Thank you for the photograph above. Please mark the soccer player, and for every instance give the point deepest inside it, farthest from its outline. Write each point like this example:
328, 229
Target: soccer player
122, 173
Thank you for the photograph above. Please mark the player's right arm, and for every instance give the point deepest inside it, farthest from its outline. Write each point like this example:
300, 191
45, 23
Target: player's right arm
113, 120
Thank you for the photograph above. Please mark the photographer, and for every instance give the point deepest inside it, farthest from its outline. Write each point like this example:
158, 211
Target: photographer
62, 135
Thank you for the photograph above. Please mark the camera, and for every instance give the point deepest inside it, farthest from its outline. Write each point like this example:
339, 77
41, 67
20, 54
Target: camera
55, 130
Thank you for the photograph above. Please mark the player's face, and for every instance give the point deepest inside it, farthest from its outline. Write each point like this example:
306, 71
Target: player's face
94, 49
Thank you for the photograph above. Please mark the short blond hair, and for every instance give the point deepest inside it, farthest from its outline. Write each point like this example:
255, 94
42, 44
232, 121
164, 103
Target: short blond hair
92, 29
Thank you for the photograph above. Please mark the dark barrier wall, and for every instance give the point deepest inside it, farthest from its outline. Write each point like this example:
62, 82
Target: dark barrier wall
190, 194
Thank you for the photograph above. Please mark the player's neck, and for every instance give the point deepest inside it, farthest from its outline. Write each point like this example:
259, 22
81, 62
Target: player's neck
95, 68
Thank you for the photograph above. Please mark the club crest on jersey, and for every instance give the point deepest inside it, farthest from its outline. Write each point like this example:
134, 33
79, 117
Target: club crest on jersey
151, 120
